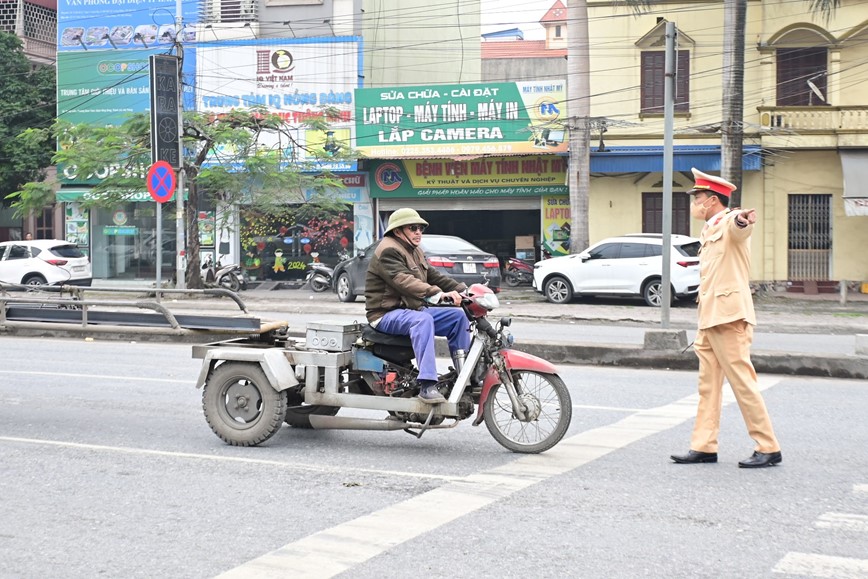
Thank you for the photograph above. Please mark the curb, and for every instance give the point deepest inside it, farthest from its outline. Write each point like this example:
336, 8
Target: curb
611, 355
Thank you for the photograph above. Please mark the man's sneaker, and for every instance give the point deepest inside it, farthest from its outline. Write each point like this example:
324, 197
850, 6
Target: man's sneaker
430, 394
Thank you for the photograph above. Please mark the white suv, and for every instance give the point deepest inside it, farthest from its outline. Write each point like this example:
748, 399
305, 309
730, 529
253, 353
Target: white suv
630, 265
44, 261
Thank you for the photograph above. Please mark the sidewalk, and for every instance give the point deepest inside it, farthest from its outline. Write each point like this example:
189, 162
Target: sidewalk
777, 313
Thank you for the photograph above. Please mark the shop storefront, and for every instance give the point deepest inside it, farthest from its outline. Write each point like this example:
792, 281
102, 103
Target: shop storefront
121, 241
278, 247
505, 205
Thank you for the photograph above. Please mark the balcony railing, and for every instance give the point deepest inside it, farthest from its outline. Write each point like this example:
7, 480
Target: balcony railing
815, 119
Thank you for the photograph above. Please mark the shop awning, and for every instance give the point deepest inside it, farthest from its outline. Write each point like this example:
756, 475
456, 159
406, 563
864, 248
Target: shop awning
854, 165
649, 159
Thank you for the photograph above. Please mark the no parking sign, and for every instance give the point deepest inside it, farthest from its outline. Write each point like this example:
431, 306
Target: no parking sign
161, 181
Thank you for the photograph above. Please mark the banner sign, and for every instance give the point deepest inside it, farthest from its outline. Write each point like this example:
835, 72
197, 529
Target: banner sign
556, 225
104, 88
294, 78
490, 176
165, 113
466, 119
121, 24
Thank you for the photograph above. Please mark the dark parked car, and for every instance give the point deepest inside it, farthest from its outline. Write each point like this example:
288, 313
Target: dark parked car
453, 256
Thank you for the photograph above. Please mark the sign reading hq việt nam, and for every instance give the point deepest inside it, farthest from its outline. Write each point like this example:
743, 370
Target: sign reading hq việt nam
294, 78
521, 175
467, 119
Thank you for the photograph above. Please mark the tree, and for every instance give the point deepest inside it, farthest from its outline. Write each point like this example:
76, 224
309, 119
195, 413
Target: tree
28, 98
229, 165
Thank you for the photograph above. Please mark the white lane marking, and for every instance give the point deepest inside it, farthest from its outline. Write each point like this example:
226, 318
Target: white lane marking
860, 488
811, 565
844, 521
335, 550
614, 408
239, 459
98, 377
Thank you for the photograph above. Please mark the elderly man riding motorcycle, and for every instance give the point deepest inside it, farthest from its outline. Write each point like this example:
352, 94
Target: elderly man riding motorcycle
398, 287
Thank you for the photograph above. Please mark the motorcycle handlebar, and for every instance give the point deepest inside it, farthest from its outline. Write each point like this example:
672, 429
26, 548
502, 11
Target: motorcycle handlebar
484, 325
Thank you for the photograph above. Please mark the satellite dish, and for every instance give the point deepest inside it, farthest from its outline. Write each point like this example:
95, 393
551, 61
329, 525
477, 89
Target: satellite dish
816, 91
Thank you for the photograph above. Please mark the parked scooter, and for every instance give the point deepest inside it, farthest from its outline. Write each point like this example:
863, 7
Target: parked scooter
517, 272
229, 277
319, 276
250, 388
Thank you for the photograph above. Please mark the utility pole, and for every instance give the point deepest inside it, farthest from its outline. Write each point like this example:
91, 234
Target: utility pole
669, 68
180, 242
732, 105
579, 106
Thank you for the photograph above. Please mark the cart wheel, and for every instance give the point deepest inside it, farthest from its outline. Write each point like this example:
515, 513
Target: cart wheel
240, 404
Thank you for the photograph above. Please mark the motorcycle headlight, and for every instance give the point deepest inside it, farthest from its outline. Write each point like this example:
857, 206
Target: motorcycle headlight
487, 301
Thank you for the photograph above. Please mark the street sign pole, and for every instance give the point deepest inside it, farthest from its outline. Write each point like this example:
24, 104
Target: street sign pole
162, 184
159, 247
670, 66
181, 243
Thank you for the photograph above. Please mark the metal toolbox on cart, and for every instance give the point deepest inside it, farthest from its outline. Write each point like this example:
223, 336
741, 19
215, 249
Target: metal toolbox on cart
332, 336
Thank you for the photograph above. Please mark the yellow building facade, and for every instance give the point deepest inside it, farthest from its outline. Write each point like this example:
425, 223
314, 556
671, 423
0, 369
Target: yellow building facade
805, 115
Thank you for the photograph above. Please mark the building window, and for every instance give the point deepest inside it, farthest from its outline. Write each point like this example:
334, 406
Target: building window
45, 224
797, 66
652, 213
557, 31
653, 81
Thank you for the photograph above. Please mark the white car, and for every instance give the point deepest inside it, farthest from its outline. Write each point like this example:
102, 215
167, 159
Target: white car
44, 261
630, 265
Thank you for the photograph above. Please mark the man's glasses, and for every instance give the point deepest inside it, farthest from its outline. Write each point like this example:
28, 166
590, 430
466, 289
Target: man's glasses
416, 228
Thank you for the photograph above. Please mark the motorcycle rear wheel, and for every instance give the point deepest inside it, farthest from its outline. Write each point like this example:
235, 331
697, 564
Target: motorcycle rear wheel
230, 282
551, 406
512, 279
241, 406
319, 285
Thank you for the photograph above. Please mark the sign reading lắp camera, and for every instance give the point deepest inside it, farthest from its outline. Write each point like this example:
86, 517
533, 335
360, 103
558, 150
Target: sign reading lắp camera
165, 141
470, 119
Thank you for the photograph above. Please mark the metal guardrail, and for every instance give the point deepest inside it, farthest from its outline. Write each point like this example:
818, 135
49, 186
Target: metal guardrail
37, 298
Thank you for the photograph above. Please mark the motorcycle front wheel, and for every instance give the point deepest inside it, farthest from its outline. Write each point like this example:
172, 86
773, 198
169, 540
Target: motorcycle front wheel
550, 410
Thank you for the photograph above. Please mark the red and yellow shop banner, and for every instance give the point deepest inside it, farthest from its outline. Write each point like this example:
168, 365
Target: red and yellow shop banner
531, 175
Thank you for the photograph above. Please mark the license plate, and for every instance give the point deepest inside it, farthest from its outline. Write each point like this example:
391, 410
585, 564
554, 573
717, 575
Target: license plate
469, 267
78, 268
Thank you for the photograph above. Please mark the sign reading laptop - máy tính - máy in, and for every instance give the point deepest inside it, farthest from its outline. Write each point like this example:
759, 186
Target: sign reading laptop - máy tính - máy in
468, 119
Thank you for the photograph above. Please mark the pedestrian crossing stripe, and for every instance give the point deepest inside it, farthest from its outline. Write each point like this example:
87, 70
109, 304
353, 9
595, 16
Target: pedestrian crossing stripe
811, 565
843, 521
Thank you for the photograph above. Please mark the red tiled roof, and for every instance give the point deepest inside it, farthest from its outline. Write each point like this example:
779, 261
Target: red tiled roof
520, 49
557, 13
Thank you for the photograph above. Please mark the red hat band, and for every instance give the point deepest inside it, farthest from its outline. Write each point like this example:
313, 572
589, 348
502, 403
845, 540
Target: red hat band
713, 186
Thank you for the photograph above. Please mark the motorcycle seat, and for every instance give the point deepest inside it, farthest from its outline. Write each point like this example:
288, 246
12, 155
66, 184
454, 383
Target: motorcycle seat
375, 336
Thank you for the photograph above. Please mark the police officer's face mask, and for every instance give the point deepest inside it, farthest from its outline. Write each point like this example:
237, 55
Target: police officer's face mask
699, 209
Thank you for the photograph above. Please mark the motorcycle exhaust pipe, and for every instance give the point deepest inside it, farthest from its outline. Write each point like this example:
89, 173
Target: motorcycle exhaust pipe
320, 422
